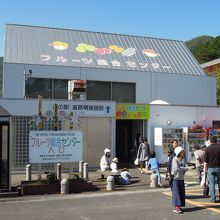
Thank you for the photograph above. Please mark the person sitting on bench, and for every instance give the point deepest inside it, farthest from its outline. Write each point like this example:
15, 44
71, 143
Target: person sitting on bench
114, 165
105, 160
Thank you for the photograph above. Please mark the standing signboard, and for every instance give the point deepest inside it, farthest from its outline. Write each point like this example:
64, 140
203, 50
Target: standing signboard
55, 146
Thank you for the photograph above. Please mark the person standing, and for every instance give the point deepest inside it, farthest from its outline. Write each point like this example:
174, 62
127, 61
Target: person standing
199, 161
137, 141
212, 166
208, 142
154, 166
143, 155
171, 150
178, 186
170, 156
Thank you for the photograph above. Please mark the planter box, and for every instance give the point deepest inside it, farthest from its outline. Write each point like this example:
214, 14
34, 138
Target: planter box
75, 186
80, 185
31, 188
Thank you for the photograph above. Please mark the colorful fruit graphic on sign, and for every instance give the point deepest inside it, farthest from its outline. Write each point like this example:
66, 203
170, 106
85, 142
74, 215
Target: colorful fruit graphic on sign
59, 45
82, 48
102, 51
116, 48
150, 53
129, 52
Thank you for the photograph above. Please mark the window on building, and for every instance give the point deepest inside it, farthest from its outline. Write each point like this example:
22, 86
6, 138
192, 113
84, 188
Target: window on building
97, 90
123, 92
115, 91
38, 86
47, 88
60, 89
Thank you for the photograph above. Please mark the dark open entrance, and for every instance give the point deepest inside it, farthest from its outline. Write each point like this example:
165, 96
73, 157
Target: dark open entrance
126, 131
4, 150
4, 156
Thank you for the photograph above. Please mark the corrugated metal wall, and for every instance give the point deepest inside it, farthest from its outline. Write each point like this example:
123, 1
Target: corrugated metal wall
50, 46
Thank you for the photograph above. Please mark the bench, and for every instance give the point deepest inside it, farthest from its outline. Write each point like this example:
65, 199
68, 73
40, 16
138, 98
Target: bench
106, 173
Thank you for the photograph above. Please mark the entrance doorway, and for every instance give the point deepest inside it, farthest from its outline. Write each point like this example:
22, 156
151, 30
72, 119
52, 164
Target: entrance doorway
126, 131
4, 156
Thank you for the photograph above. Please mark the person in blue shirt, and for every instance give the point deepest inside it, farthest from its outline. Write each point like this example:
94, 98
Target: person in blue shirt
154, 166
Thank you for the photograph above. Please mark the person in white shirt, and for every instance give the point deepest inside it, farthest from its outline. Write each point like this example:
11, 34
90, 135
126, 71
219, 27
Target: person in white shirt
105, 160
200, 158
114, 165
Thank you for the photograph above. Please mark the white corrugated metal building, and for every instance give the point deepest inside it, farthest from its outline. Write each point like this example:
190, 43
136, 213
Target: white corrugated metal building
115, 68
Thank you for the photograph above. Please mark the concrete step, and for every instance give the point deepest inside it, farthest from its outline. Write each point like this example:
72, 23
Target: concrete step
8, 194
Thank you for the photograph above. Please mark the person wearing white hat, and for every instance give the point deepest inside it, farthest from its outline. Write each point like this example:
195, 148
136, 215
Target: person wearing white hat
125, 177
114, 165
105, 160
178, 186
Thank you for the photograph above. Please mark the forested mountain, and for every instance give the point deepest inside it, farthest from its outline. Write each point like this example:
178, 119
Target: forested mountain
205, 48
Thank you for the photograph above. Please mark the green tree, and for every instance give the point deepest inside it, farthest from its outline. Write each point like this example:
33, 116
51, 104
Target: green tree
217, 74
205, 48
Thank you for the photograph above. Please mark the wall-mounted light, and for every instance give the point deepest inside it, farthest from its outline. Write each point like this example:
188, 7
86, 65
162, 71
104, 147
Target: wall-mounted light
169, 122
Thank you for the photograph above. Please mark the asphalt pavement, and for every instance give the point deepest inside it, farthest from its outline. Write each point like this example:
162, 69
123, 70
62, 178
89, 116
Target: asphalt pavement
154, 204
135, 201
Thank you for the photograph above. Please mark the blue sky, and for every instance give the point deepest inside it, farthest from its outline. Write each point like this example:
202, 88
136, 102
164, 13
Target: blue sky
170, 19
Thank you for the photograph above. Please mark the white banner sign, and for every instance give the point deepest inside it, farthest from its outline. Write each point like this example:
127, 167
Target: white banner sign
87, 108
55, 146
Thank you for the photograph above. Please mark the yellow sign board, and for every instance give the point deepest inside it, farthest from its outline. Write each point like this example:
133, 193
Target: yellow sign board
133, 111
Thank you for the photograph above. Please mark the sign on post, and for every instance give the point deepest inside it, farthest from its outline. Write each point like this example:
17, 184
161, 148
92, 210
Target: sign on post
55, 146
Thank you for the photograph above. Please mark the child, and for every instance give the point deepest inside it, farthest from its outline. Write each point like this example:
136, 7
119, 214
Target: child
125, 177
154, 165
178, 186
114, 165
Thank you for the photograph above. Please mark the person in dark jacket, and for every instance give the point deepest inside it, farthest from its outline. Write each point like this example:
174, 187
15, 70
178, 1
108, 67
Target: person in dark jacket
212, 166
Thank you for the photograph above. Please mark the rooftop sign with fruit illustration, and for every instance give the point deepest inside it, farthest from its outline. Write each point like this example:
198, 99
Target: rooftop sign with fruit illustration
107, 56
98, 50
